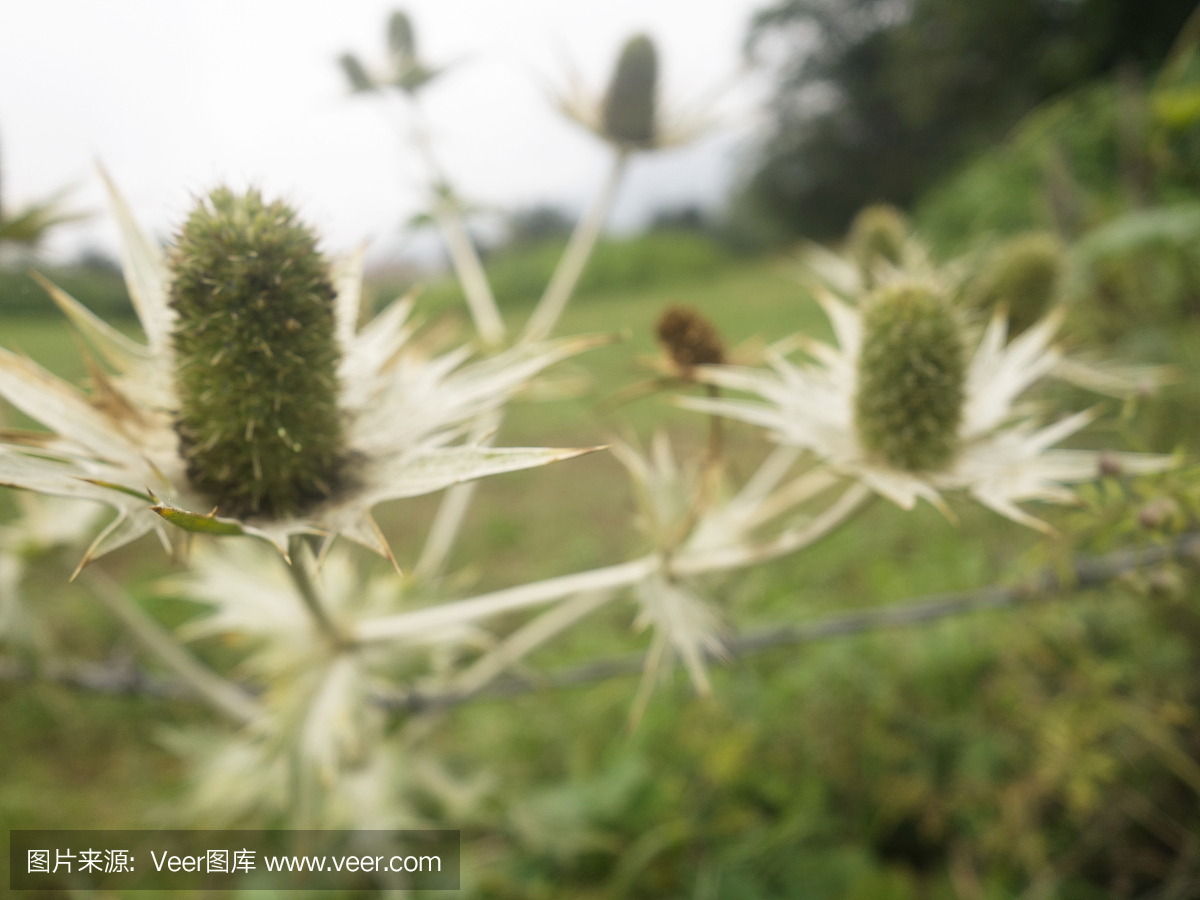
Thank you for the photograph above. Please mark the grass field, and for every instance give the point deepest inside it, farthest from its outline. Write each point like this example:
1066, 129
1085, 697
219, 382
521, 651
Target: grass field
757, 783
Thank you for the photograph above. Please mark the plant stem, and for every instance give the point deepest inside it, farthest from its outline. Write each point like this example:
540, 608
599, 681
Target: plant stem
457, 500
300, 568
470, 272
1084, 573
575, 257
467, 266
222, 694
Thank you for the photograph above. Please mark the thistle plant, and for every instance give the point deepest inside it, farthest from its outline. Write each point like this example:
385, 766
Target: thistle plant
898, 407
259, 408
404, 70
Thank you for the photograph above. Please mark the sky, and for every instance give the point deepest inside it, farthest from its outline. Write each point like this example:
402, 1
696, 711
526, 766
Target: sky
174, 98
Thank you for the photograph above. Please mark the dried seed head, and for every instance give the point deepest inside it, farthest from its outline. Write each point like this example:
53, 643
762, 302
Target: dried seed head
257, 359
877, 234
689, 338
1022, 275
911, 379
629, 105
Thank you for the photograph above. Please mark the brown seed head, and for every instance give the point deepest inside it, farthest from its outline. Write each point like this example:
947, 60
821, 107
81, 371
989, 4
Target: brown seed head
689, 338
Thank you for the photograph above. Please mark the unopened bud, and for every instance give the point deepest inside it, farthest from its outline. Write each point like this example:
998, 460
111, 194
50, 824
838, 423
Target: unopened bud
877, 234
401, 40
1023, 276
356, 74
630, 104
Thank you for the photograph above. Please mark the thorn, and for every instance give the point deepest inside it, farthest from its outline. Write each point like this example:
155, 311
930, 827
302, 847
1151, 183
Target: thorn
79, 568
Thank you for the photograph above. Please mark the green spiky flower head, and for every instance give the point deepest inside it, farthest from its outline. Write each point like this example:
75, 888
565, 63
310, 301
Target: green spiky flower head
877, 234
911, 379
257, 358
1022, 275
629, 112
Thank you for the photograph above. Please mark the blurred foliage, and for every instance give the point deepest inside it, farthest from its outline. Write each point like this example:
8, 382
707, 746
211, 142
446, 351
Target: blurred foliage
878, 99
1111, 173
1070, 166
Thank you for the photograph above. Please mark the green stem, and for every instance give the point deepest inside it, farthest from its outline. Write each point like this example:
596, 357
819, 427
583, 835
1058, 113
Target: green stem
467, 266
575, 257
300, 568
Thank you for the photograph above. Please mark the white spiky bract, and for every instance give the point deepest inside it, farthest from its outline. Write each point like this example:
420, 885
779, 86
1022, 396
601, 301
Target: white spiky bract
118, 444
318, 739
1004, 455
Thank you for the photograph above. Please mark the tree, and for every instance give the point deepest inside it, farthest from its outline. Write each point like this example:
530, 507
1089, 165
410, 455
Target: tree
879, 98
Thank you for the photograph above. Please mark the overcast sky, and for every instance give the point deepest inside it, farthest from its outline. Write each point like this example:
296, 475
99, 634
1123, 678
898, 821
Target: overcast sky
175, 97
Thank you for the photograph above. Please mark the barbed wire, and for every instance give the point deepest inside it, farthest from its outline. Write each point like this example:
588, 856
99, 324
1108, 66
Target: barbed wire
1084, 572
122, 675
